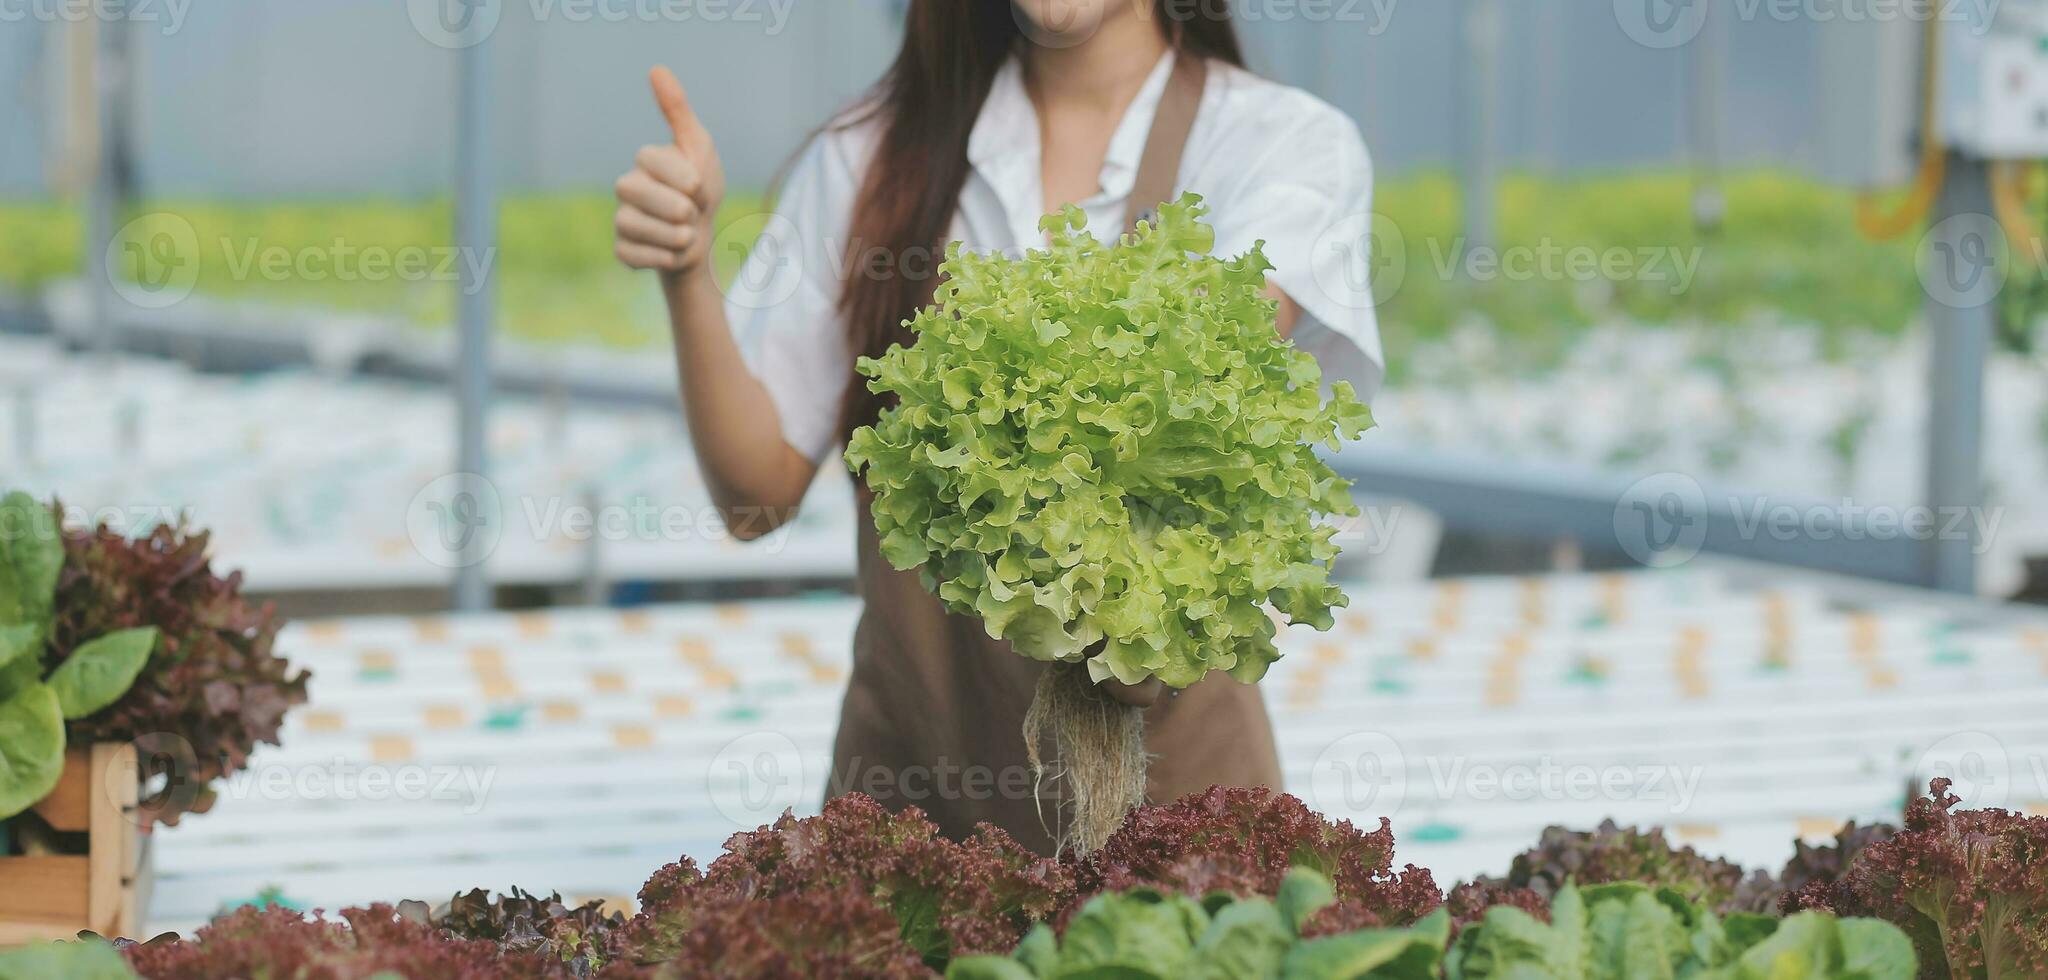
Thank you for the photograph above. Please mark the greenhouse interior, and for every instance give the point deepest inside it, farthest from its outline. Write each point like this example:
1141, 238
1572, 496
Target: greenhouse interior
1453, 489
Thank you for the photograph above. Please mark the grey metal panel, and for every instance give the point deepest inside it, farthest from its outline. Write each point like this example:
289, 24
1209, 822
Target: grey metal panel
24, 120
1869, 101
1486, 494
340, 97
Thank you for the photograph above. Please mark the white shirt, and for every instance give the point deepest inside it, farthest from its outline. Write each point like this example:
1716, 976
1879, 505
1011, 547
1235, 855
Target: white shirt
1271, 162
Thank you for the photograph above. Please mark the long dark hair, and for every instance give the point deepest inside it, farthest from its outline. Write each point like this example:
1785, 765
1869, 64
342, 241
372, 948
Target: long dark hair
927, 104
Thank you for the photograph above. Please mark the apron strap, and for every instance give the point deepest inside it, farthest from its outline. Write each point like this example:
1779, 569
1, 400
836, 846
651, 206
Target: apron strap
1159, 168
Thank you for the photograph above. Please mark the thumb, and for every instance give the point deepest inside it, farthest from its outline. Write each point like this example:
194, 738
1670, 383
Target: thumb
675, 105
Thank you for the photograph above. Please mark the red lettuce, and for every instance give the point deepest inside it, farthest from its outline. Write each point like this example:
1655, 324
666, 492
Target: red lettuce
826, 932
1242, 842
213, 688
1814, 868
277, 942
1616, 854
526, 925
946, 898
1969, 886
1469, 901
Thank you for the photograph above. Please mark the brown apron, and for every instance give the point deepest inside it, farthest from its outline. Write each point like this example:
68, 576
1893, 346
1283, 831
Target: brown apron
934, 712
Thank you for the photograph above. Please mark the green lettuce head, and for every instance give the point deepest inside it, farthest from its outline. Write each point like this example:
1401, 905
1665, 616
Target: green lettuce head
1111, 444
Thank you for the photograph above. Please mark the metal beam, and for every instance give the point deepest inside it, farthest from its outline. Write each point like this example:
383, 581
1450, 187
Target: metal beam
103, 200
1962, 276
1481, 96
1476, 492
476, 235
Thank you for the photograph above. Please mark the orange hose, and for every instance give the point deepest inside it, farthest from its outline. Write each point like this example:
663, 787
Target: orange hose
2009, 200
1873, 221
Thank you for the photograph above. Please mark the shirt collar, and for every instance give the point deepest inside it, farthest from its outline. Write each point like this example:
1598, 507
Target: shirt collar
1004, 144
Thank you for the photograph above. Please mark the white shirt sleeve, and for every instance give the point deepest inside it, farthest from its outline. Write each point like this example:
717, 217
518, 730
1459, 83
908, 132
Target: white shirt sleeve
784, 304
1310, 200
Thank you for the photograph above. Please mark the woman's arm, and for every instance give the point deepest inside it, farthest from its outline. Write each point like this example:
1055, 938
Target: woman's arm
1289, 313
664, 222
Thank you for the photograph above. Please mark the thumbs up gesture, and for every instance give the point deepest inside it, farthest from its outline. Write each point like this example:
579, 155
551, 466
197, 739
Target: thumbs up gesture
667, 201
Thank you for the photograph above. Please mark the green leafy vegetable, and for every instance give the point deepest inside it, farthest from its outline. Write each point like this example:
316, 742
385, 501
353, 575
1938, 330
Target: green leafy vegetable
1109, 444
17, 675
31, 555
98, 673
20, 663
1612, 853
1146, 933
86, 959
31, 748
1629, 930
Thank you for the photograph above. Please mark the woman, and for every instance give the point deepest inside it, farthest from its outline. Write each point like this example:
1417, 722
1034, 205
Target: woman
994, 114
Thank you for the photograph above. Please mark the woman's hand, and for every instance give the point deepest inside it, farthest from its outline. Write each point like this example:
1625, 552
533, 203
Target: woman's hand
667, 201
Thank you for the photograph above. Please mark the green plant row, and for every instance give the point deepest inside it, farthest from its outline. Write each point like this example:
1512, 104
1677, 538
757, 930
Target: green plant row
1623, 930
1785, 245
1228, 883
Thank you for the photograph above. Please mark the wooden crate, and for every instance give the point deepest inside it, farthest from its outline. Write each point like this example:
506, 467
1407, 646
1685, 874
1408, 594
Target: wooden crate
104, 890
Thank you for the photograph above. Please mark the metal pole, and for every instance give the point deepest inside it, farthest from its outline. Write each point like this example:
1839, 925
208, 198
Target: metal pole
1960, 322
1548, 90
476, 235
103, 201
1709, 54
1482, 98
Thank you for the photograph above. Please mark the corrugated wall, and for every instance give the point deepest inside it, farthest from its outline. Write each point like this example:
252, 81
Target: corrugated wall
343, 97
